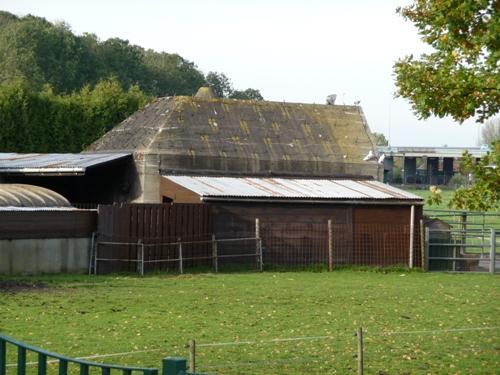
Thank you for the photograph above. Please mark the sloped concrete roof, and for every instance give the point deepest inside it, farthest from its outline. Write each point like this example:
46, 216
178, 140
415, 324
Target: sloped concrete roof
199, 134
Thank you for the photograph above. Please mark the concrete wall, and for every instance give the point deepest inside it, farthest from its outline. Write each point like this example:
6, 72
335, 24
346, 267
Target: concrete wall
48, 255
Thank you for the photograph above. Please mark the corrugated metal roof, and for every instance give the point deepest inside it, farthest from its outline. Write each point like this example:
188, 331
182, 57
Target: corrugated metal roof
54, 163
290, 188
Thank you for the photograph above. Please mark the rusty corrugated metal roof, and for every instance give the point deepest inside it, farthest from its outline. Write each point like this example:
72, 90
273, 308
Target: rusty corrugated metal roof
54, 163
290, 188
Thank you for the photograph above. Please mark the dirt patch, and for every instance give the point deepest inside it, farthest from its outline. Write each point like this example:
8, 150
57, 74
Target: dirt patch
12, 286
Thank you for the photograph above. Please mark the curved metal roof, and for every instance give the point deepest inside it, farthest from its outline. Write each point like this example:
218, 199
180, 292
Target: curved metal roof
22, 195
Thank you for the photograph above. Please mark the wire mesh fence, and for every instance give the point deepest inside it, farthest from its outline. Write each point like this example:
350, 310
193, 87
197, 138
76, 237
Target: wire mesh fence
452, 350
271, 246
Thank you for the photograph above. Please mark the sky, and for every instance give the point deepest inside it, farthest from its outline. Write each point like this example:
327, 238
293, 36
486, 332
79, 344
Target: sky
293, 51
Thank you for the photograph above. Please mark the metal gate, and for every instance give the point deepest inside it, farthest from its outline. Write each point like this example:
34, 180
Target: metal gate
462, 250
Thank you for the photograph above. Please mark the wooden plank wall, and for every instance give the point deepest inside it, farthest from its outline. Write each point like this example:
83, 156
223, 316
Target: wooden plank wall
47, 224
154, 225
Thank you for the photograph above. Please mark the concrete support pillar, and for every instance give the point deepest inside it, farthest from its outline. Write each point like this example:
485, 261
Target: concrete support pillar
432, 170
388, 168
447, 169
410, 170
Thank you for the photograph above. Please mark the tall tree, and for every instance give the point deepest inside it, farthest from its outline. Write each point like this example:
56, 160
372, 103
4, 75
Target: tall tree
490, 131
220, 83
460, 77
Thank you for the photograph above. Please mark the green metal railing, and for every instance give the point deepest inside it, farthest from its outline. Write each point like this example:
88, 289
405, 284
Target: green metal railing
44, 355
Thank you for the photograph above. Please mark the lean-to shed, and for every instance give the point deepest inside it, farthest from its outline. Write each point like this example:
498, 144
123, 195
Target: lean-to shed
370, 221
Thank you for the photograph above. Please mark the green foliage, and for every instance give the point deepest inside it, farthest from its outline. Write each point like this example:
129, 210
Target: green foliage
39, 52
223, 88
248, 94
484, 194
434, 197
380, 139
46, 122
460, 78
220, 83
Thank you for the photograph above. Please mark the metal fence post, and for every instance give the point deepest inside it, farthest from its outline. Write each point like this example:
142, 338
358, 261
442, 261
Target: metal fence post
142, 259
3, 356
214, 254
330, 245
91, 252
96, 253
181, 266
261, 261
426, 260
493, 250
174, 366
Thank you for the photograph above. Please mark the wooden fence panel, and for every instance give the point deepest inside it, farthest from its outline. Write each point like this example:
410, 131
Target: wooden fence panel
154, 225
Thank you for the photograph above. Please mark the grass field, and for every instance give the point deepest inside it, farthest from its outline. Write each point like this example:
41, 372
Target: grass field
409, 320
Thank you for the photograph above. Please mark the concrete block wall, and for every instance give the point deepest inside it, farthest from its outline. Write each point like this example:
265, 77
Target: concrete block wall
48, 255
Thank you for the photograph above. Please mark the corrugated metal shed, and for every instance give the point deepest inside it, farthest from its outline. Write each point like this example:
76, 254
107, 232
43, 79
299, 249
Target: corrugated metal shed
210, 188
54, 163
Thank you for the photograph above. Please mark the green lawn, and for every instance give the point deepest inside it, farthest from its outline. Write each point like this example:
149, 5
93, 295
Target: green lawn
491, 220
405, 317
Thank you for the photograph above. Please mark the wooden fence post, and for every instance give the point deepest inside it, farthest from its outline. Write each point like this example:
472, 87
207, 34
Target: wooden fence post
181, 266
192, 356
359, 334
422, 244
258, 244
493, 250
330, 245
412, 232
214, 254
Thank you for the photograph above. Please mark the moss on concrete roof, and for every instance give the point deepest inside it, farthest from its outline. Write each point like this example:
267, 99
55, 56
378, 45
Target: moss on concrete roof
257, 132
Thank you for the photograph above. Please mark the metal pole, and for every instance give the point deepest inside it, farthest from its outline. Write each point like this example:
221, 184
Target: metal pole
95, 257
91, 252
181, 266
426, 261
192, 356
330, 245
142, 259
138, 247
214, 254
412, 231
359, 334
493, 250
261, 262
